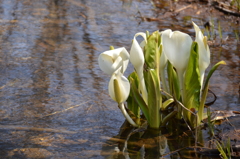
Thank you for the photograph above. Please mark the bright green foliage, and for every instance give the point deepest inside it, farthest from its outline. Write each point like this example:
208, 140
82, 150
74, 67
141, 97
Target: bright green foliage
151, 109
173, 81
221, 150
205, 89
192, 84
154, 99
151, 50
138, 98
224, 149
133, 104
166, 103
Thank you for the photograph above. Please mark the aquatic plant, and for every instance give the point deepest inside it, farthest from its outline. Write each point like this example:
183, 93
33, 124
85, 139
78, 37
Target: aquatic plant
168, 77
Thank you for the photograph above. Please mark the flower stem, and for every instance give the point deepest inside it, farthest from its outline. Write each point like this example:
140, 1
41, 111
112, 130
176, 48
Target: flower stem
180, 77
126, 115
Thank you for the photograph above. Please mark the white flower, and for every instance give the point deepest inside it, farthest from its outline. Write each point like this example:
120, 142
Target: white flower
203, 50
137, 59
119, 87
110, 61
177, 47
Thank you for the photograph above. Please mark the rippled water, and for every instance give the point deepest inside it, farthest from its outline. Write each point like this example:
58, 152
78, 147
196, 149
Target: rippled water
53, 96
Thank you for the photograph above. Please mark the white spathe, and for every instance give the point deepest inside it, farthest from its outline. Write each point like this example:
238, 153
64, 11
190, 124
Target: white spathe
177, 47
124, 86
137, 59
109, 61
203, 50
136, 52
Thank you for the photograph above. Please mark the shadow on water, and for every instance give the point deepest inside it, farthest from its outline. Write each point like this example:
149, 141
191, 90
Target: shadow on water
54, 101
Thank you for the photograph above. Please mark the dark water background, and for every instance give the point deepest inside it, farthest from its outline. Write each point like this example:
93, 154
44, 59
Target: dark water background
54, 101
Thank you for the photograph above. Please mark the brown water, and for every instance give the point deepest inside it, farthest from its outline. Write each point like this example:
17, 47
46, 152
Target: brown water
53, 96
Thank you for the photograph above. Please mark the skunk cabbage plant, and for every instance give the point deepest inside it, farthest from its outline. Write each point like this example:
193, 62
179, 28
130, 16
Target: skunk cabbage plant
177, 46
167, 81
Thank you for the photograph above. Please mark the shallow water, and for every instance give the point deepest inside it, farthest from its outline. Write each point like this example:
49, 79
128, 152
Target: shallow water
54, 101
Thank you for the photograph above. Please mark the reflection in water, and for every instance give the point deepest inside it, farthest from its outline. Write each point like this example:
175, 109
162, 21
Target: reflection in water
50, 60
148, 144
139, 143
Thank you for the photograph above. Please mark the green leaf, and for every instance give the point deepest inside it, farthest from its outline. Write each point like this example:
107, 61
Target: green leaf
166, 103
228, 147
173, 81
132, 104
220, 149
174, 86
154, 99
138, 98
205, 89
151, 50
213, 69
192, 85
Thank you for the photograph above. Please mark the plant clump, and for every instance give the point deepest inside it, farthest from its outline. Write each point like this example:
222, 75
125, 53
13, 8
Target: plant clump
167, 81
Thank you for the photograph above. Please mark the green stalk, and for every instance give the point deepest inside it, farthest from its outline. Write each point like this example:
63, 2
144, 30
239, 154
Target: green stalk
192, 86
202, 103
138, 98
142, 84
154, 99
174, 88
221, 150
126, 115
180, 77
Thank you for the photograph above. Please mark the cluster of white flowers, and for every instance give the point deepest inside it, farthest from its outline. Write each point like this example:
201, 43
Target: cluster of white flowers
176, 49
